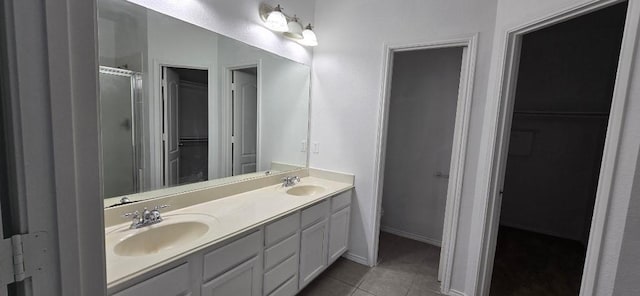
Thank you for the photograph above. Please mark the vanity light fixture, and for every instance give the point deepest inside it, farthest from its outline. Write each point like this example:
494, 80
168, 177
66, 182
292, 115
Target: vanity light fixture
308, 37
290, 27
295, 29
276, 20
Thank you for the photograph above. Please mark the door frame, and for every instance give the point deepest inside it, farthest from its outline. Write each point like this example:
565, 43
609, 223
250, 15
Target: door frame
458, 155
491, 169
227, 109
54, 144
156, 119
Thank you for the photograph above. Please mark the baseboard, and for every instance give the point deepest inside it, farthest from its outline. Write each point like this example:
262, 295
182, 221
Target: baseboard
412, 236
543, 231
356, 258
456, 293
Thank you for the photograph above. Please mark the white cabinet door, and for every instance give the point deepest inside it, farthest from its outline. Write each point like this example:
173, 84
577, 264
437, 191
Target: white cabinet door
313, 251
339, 233
175, 282
243, 280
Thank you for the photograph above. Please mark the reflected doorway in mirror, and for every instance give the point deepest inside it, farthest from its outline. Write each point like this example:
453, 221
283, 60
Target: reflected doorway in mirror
185, 125
244, 131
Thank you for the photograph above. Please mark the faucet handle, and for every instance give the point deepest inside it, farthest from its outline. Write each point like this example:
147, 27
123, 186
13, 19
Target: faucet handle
160, 207
134, 214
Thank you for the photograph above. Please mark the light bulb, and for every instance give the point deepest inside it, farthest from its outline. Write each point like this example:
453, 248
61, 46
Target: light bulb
295, 29
276, 20
308, 37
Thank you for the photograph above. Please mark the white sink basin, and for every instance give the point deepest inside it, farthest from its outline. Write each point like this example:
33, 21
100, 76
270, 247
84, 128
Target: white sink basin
175, 232
159, 237
305, 190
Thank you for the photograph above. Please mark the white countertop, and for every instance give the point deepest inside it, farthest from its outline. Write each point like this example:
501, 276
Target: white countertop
229, 216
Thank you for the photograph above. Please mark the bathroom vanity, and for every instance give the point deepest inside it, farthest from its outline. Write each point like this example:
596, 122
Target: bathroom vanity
254, 237
195, 146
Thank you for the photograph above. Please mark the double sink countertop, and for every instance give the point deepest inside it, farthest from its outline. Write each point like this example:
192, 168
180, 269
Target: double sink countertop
191, 228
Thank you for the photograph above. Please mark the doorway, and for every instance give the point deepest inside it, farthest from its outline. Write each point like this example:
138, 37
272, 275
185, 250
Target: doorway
421, 153
185, 125
557, 129
244, 120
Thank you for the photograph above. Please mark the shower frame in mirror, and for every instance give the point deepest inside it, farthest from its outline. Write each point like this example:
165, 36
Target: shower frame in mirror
136, 96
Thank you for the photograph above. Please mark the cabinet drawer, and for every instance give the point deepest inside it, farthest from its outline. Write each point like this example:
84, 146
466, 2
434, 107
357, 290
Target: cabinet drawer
281, 251
173, 282
315, 213
275, 277
281, 229
340, 201
289, 288
243, 280
231, 255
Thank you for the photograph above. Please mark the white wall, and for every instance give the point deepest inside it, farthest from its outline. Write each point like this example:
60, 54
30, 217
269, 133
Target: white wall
515, 13
240, 19
422, 111
122, 29
550, 183
107, 45
346, 86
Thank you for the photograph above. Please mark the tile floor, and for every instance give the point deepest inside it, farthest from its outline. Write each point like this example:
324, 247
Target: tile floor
406, 268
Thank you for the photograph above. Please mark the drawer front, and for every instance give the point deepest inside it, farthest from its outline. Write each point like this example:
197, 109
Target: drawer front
289, 288
315, 213
280, 251
340, 201
281, 229
171, 283
243, 280
277, 276
231, 255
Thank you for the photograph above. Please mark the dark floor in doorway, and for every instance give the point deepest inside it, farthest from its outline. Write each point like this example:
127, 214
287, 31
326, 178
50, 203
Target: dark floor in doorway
406, 268
533, 264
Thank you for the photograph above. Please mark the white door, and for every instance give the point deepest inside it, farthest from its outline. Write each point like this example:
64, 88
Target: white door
245, 122
339, 233
171, 85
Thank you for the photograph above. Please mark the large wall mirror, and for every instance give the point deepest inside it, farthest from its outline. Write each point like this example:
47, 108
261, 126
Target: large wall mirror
182, 107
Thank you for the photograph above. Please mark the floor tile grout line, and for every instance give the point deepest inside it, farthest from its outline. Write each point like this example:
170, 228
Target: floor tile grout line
349, 284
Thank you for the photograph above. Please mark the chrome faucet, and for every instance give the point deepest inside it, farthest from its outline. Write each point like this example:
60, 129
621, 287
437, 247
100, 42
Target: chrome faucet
146, 218
290, 181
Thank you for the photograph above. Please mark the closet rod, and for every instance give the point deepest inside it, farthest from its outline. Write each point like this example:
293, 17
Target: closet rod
562, 114
193, 139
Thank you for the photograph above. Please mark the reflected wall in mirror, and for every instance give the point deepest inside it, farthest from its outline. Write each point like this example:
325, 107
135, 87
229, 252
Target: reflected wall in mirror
182, 107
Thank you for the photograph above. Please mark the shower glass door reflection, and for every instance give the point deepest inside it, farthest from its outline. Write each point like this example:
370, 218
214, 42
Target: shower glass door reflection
119, 91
